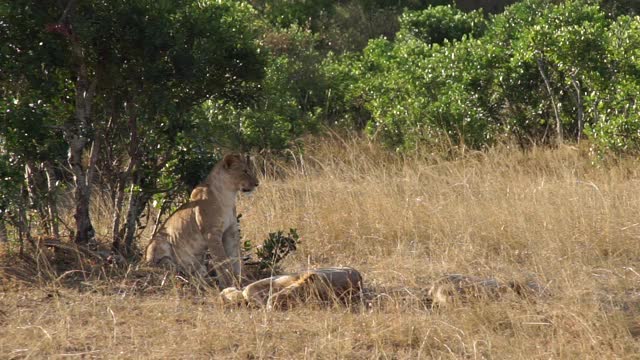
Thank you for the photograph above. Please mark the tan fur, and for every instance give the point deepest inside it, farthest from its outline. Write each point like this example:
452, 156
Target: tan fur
285, 290
207, 221
455, 288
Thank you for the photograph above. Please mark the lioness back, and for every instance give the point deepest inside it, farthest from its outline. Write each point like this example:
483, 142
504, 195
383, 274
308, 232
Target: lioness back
179, 242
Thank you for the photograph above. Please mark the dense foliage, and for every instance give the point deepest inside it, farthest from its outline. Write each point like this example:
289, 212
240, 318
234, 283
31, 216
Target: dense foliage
538, 72
141, 97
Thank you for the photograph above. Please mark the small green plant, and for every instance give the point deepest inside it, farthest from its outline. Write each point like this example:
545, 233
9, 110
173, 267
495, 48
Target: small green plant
277, 247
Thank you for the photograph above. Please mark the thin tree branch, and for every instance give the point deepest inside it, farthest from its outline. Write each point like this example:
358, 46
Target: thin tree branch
540, 61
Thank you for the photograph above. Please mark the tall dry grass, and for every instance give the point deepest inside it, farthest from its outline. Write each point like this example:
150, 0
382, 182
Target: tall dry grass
547, 215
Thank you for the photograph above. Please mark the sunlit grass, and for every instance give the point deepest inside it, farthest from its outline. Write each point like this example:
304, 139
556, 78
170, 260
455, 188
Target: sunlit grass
548, 215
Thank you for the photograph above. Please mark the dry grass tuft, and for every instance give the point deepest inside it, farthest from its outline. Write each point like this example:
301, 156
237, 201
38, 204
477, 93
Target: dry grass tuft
545, 215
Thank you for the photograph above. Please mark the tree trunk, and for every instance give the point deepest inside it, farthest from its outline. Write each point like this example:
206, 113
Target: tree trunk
76, 135
20, 222
117, 231
137, 202
547, 84
51, 200
579, 104
82, 193
115, 225
3, 230
132, 215
30, 176
122, 183
163, 209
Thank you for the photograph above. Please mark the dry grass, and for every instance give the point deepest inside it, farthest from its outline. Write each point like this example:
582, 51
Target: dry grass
548, 215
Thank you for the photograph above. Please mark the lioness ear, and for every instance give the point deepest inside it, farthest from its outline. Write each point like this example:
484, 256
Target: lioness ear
229, 159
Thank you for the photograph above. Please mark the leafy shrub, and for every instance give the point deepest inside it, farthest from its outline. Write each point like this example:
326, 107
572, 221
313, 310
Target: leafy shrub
616, 128
436, 24
621, 7
276, 248
284, 13
421, 93
11, 183
565, 44
620, 133
287, 103
540, 71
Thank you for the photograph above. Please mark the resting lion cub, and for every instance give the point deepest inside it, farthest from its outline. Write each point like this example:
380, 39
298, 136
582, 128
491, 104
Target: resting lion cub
454, 288
279, 291
207, 221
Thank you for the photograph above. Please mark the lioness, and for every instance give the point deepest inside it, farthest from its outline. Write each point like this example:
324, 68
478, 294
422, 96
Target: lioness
207, 221
342, 283
453, 288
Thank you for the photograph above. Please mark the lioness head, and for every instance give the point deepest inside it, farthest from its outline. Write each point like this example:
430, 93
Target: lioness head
239, 173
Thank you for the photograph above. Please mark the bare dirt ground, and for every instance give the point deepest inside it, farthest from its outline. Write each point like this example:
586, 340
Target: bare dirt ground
551, 216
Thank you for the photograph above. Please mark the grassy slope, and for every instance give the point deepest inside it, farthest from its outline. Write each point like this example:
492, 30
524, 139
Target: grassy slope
547, 214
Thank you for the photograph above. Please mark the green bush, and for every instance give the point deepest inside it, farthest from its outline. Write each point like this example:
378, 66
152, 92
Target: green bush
563, 43
11, 184
434, 95
287, 104
538, 71
276, 248
616, 128
436, 24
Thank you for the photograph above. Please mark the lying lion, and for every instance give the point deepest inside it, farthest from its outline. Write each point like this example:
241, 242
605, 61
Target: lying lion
208, 221
281, 291
454, 288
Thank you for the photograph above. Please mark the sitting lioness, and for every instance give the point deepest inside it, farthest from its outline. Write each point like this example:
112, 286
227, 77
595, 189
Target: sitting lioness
207, 221
279, 291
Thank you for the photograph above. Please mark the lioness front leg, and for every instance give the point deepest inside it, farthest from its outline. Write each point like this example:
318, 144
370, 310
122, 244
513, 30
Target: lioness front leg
231, 244
221, 262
